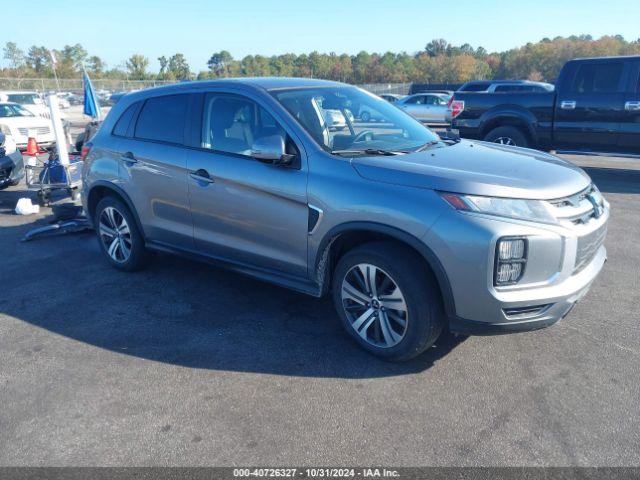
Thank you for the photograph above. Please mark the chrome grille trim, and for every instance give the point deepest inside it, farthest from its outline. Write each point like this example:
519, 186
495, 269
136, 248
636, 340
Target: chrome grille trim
39, 131
588, 246
578, 208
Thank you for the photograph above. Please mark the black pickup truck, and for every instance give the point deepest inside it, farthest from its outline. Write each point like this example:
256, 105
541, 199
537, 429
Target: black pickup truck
595, 107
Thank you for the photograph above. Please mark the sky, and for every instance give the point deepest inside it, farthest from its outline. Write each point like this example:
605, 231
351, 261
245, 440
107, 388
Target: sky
115, 29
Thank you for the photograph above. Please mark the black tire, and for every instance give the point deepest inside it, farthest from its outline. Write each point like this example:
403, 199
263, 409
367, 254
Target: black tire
43, 199
514, 134
424, 313
138, 256
365, 116
79, 142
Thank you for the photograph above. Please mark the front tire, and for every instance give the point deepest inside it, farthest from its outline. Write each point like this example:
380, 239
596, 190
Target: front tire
387, 301
118, 235
511, 136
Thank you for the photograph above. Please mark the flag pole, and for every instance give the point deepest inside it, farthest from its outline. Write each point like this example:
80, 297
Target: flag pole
53, 67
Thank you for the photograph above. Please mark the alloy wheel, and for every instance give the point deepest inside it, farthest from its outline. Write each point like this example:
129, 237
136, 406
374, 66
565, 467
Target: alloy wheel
505, 141
115, 234
374, 305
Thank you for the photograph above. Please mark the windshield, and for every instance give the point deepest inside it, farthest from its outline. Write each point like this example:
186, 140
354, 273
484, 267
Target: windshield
7, 110
24, 98
350, 119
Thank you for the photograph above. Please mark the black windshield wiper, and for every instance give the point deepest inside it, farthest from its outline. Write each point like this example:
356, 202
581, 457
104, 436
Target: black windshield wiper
368, 151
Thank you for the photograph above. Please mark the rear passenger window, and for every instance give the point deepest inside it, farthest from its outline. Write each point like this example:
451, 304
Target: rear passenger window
163, 119
597, 77
122, 125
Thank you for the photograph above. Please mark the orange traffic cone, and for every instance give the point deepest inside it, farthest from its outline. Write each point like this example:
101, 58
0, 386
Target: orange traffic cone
32, 147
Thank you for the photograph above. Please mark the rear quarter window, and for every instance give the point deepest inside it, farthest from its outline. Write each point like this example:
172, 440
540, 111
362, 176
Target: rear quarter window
122, 125
163, 119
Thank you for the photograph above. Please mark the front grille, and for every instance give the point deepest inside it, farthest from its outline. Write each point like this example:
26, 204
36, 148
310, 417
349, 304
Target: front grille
577, 212
579, 208
39, 131
588, 246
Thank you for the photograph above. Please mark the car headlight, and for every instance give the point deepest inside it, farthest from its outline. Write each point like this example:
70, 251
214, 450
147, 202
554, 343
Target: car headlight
534, 210
5, 129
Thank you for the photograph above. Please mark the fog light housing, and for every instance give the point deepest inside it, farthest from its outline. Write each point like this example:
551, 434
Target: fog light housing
511, 259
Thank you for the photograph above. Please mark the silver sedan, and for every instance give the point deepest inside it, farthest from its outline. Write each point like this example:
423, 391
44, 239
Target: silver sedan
426, 107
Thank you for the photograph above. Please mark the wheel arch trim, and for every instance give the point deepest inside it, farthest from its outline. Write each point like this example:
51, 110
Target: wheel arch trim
122, 194
402, 236
515, 116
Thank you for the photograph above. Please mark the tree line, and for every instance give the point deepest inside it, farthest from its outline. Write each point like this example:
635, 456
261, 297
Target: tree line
438, 62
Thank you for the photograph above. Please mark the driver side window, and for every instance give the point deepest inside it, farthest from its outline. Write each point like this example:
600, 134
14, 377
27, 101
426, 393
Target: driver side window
233, 123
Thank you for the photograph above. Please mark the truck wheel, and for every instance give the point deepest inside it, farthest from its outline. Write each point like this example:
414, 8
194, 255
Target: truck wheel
387, 301
507, 136
118, 235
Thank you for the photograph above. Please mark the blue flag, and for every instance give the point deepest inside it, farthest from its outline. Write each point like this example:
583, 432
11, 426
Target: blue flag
91, 105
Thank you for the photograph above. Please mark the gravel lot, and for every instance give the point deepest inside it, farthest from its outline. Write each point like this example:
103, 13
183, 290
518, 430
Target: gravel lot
185, 364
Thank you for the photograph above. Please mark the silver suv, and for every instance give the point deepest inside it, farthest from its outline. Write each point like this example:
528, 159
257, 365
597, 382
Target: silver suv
409, 233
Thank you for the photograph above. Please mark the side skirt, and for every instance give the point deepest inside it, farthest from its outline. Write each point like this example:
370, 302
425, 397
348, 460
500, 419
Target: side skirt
299, 284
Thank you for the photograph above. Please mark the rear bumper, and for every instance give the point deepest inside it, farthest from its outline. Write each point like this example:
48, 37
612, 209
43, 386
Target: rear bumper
467, 128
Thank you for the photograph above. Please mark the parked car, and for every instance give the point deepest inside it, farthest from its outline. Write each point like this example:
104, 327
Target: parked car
17, 121
426, 107
336, 119
595, 106
409, 234
63, 100
493, 86
75, 99
11, 163
367, 114
391, 97
29, 100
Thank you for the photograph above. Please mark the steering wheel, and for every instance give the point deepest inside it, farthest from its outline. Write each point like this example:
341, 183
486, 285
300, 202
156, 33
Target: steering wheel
366, 135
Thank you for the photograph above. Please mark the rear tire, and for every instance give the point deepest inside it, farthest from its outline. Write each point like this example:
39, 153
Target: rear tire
402, 315
118, 235
511, 136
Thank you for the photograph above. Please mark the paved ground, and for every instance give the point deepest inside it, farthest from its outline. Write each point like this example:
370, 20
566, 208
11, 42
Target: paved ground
185, 364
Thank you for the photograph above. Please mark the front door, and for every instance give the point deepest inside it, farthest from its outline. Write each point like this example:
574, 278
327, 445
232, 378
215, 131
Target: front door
588, 110
244, 210
416, 107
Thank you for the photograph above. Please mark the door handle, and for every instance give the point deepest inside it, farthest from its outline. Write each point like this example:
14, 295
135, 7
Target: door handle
129, 158
568, 104
202, 176
630, 106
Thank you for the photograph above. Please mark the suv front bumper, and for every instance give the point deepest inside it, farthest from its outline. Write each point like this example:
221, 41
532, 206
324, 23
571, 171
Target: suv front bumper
559, 301
554, 280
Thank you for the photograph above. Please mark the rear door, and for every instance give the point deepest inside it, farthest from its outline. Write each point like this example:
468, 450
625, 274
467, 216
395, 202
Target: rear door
153, 163
629, 139
589, 106
246, 211
436, 109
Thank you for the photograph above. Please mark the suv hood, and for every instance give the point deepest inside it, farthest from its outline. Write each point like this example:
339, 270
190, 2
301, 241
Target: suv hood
479, 168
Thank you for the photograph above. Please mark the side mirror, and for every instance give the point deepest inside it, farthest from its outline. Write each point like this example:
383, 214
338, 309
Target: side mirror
450, 134
271, 149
